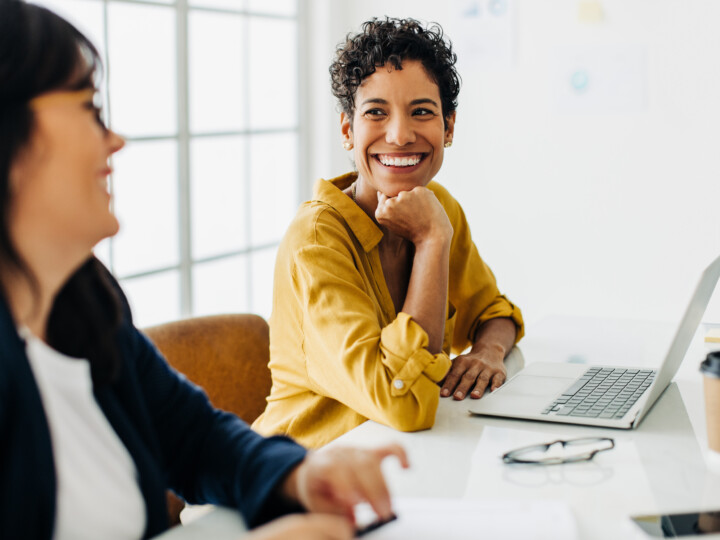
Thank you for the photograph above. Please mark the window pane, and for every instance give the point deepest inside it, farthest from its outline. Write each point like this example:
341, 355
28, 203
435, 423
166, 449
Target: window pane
220, 286
216, 67
220, 4
218, 195
86, 15
274, 184
279, 7
273, 73
263, 269
274, 7
146, 204
142, 45
154, 299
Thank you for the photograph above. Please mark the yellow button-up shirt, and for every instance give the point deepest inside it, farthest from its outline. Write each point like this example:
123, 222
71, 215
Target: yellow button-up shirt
339, 353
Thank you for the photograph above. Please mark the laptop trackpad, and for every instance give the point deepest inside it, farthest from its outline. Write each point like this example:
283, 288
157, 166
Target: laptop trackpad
525, 395
536, 385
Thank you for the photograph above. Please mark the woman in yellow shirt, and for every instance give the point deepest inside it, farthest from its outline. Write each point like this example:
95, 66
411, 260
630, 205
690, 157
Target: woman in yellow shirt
377, 279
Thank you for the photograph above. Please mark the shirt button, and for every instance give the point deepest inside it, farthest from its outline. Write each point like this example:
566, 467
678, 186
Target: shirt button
397, 383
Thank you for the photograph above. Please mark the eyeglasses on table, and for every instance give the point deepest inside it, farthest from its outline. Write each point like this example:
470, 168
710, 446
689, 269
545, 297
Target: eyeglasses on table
563, 451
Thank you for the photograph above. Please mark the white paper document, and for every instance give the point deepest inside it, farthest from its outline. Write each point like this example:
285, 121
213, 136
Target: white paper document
434, 519
602, 478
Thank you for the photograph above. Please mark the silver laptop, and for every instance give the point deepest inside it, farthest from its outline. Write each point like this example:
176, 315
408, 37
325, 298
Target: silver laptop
608, 396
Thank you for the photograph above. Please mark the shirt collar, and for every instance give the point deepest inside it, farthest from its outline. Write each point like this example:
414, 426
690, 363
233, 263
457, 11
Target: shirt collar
363, 227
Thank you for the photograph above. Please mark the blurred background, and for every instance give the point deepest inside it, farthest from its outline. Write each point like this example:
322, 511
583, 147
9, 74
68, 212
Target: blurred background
586, 153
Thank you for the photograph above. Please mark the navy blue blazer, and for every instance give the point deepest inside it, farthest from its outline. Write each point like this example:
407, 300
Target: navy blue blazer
176, 438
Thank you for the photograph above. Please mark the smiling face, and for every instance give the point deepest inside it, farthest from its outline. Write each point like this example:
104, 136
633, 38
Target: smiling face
59, 180
398, 131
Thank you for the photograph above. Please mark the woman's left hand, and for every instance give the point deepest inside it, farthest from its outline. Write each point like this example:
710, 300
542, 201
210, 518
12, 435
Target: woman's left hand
484, 365
474, 372
335, 479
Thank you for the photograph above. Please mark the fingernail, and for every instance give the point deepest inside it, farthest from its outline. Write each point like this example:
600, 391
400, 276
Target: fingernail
445, 392
476, 393
459, 395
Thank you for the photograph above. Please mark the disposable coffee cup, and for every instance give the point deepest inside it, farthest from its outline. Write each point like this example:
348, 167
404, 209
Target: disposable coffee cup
708, 522
710, 368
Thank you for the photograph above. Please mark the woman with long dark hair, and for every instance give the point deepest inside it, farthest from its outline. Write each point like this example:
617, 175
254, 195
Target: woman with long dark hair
94, 425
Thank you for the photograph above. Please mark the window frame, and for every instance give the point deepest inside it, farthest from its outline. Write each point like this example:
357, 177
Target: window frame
184, 137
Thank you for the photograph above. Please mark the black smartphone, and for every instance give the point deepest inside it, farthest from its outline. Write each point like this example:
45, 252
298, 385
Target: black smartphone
680, 525
362, 531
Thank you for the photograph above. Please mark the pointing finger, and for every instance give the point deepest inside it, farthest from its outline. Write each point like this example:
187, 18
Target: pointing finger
393, 450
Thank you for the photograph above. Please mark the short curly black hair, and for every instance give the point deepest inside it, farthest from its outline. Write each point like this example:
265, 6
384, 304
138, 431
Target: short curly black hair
394, 40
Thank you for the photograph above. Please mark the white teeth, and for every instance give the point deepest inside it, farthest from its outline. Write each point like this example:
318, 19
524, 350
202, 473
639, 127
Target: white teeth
399, 161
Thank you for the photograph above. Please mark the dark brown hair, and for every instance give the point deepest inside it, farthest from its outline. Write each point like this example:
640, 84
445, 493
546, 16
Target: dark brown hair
392, 41
41, 52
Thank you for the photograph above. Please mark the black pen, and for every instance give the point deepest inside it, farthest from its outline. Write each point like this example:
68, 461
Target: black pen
362, 531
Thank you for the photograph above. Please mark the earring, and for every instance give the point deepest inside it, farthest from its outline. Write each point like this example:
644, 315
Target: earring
448, 144
347, 145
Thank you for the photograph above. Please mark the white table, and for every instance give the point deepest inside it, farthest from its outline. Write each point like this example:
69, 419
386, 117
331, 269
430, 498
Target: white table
657, 468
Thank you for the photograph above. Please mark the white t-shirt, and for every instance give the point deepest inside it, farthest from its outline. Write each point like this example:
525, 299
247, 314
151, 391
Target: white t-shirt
98, 495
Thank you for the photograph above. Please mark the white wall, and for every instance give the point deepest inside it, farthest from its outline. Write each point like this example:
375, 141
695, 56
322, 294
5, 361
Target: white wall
595, 212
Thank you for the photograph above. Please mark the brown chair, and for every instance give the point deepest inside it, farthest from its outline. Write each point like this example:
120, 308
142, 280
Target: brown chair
227, 355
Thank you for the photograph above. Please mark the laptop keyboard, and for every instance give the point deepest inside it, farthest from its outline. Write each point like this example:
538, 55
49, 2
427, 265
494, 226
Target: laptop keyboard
602, 393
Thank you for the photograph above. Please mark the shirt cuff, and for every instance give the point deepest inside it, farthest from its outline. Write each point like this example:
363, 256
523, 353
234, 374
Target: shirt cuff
405, 343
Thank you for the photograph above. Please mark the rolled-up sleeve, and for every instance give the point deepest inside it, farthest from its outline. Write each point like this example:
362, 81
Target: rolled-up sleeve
404, 346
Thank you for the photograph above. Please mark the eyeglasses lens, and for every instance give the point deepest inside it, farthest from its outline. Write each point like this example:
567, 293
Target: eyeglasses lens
584, 448
98, 106
572, 450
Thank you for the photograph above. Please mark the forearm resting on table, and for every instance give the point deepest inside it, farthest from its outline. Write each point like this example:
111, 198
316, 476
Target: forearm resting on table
496, 334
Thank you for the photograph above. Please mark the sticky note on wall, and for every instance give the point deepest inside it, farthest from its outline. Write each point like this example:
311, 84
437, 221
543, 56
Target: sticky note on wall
590, 12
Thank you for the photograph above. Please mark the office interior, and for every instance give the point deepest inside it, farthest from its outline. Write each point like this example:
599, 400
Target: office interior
586, 148
586, 156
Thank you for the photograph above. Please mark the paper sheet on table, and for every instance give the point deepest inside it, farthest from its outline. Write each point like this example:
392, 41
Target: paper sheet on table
607, 475
433, 519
